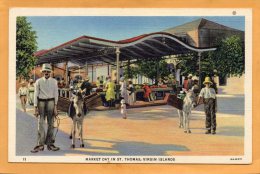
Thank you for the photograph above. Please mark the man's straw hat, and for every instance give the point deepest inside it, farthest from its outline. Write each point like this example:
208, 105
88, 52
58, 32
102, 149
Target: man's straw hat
207, 80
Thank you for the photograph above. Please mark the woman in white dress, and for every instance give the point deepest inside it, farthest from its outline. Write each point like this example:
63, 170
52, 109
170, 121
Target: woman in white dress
131, 93
123, 89
31, 91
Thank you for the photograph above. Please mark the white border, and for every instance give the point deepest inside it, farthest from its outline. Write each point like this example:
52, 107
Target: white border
14, 12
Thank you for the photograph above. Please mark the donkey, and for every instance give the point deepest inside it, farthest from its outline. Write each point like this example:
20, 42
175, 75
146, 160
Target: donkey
184, 114
77, 111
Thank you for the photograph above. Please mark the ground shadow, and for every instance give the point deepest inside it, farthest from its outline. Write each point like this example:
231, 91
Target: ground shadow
231, 131
26, 137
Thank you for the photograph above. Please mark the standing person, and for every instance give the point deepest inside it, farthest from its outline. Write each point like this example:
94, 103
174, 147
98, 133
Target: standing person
190, 82
147, 92
98, 83
185, 83
123, 89
110, 92
160, 82
123, 109
31, 91
23, 93
210, 105
101, 82
86, 87
45, 102
131, 92
105, 82
62, 83
195, 88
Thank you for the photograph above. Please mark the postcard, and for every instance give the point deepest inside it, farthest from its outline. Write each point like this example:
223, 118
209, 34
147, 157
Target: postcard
130, 85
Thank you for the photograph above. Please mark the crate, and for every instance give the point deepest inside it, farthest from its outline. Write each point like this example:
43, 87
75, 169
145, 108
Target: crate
63, 104
174, 101
91, 101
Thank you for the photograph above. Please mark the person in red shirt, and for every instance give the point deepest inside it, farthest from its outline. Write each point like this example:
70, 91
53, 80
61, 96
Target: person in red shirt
147, 92
185, 83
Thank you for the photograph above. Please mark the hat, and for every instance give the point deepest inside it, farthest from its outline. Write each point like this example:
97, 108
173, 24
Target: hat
23, 82
31, 80
46, 67
87, 79
190, 75
122, 101
195, 78
129, 79
122, 79
207, 80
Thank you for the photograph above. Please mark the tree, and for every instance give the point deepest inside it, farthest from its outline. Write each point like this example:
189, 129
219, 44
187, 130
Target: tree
229, 57
188, 64
151, 68
26, 45
130, 70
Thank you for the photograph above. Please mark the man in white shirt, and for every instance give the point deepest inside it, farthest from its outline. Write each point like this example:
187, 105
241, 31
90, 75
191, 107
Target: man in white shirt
45, 102
210, 105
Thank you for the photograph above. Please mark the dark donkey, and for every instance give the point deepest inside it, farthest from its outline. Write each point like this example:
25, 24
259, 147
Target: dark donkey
77, 111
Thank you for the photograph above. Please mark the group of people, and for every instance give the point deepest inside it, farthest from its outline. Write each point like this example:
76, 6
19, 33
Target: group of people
26, 93
126, 91
81, 85
191, 84
43, 95
45, 98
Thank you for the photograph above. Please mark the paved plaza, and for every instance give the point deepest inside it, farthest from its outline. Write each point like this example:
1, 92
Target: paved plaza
147, 131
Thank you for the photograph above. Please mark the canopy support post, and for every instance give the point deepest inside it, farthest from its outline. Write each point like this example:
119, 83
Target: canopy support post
199, 59
86, 70
117, 72
117, 64
66, 74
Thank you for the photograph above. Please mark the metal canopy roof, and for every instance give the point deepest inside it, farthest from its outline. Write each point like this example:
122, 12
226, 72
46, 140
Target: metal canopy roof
87, 49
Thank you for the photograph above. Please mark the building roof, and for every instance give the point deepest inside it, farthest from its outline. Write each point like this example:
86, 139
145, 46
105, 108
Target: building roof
86, 49
198, 24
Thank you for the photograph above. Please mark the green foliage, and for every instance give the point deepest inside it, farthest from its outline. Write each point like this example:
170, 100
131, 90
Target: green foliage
151, 68
130, 71
208, 64
26, 45
188, 64
229, 57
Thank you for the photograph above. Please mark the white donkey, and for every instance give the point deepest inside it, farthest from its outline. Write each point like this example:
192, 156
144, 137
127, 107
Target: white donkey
184, 114
77, 111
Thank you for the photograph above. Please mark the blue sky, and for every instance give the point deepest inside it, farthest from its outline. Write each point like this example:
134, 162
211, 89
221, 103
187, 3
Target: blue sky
53, 31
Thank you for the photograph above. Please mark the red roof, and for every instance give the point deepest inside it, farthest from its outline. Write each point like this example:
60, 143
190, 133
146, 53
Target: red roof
38, 53
132, 39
